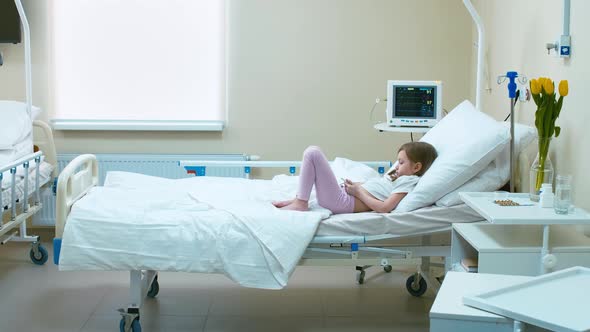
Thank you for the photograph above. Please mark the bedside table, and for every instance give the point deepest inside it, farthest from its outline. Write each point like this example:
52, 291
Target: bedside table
515, 239
449, 314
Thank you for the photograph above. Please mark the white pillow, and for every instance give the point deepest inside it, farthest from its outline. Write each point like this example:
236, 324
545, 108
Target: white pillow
466, 141
497, 173
17, 151
352, 170
15, 124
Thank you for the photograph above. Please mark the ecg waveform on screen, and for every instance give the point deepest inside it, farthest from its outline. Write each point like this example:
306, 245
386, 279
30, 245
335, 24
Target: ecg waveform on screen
414, 102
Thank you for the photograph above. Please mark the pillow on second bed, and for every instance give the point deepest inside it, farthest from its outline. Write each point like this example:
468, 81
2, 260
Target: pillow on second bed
15, 123
467, 141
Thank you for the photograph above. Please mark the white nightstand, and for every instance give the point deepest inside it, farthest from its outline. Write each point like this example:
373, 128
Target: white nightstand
515, 240
449, 314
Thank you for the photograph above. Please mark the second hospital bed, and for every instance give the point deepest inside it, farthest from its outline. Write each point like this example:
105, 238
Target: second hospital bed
23, 173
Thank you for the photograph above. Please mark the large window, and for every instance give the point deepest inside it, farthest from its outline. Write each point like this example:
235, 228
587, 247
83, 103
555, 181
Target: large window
138, 64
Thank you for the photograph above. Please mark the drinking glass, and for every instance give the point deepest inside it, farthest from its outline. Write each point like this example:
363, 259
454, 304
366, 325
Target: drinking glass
563, 194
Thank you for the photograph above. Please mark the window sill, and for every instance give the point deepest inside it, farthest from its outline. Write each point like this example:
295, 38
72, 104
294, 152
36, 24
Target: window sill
137, 125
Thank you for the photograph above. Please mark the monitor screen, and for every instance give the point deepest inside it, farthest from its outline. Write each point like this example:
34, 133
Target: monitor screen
414, 102
10, 29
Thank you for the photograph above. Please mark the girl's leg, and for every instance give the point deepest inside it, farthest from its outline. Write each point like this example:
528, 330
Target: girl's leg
315, 169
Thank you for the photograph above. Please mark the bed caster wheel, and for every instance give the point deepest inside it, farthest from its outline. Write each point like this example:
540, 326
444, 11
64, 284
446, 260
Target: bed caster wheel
135, 326
360, 277
416, 288
154, 288
38, 254
387, 268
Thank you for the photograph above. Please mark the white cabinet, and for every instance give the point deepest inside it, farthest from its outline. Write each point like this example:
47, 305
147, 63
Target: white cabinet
520, 240
516, 249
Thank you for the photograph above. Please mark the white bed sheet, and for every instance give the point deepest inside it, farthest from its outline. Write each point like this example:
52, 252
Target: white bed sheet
44, 177
201, 224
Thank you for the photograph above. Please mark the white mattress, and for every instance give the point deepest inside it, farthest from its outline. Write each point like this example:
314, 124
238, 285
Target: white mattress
44, 177
422, 221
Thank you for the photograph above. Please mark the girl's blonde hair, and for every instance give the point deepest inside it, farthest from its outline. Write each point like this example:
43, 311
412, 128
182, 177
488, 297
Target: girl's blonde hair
420, 152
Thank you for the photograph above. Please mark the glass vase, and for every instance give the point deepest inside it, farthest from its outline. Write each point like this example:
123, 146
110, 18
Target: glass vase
541, 170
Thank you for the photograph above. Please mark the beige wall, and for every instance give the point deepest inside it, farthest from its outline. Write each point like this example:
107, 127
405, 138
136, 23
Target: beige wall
517, 34
306, 72
301, 72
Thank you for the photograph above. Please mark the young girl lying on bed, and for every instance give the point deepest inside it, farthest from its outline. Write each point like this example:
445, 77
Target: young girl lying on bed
380, 194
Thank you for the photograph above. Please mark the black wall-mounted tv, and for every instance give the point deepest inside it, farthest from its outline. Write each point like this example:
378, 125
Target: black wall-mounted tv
10, 29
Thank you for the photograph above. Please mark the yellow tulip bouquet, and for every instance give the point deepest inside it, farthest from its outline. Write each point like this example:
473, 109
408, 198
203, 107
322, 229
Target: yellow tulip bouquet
548, 109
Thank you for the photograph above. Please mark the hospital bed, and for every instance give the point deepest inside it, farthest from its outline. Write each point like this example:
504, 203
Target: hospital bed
146, 224
23, 173
100, 228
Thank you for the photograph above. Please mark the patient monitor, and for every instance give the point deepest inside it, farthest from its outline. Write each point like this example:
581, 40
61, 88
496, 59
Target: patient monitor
414, 103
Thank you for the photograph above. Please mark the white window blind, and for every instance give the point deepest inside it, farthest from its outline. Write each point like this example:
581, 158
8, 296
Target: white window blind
138, 64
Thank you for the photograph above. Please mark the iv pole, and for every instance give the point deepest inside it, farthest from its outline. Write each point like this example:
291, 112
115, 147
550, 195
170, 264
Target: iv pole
27, 38
512, 77
479, 79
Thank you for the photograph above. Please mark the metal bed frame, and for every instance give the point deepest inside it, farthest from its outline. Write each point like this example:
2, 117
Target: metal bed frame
22, 209
80, 175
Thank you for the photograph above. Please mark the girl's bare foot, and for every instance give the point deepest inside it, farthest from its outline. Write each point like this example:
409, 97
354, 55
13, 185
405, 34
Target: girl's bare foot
281, 204
297, 205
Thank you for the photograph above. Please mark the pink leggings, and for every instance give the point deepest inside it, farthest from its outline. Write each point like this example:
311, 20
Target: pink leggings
315, 169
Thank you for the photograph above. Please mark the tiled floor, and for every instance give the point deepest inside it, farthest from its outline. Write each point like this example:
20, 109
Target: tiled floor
40, 298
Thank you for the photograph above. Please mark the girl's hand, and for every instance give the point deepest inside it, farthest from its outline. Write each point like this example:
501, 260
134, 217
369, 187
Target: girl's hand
352, 188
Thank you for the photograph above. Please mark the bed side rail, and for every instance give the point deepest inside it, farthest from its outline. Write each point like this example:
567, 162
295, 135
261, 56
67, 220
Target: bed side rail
20, 161
198, 167
12, 167
76, 179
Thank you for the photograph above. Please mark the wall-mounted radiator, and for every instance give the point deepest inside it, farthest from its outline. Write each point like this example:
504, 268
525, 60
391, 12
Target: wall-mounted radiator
162, 165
